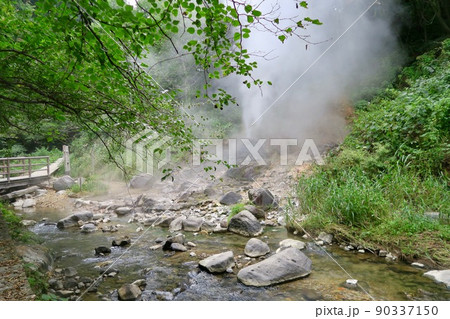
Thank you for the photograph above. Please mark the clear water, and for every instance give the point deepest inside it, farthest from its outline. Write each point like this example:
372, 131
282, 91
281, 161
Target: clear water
165, 271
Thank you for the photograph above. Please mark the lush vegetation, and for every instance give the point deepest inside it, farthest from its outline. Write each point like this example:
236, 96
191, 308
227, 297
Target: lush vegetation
393, 167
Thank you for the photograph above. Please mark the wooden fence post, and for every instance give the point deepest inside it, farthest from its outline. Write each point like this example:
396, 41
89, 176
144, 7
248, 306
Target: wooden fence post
66, 157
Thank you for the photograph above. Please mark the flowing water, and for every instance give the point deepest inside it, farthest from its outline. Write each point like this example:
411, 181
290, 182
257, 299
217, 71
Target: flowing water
168, 272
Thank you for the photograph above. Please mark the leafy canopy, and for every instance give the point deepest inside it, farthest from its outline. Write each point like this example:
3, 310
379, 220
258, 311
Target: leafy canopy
81, 61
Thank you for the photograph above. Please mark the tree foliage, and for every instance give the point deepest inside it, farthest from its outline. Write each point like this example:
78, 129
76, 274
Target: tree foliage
81, 61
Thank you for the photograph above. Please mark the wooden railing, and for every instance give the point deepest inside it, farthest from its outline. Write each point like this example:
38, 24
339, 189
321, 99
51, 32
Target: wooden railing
13, 167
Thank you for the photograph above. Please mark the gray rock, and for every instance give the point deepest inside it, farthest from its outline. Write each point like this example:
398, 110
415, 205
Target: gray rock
208, 226
70, 272
292, 243
192, 224
141, 283
164, 221
256, 248
70, 284
122, 211
287, 265
439, 276
391, 257
72, 220
141, 181
218, 263
29, 202
262, 198
177, 224
129, 292
123, 241
418, 265
178, 247
102, 250
28, 223
18, 204
351, 283
244, 223
382, 253
37, 256
177, 239
258, 213
230, 198
326, 238
432, 215
63, 183
88, 228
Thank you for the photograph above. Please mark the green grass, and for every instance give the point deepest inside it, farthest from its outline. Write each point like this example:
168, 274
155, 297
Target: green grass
392, 168
235, 209
91, 185
16, 230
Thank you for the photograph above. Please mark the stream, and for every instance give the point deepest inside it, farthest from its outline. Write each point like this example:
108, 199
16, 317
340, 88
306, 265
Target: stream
176, 276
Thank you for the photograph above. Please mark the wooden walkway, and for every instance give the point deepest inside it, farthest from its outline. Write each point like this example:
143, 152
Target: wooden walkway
21, 171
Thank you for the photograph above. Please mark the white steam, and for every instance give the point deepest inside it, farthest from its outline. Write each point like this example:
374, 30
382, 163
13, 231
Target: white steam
315, 106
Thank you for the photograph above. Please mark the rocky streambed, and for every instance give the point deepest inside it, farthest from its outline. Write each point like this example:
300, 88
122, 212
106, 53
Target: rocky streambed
181, 243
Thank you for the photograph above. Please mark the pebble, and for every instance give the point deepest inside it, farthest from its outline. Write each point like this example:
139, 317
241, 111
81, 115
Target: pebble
418, 265
191, 244
319, 242
382, 253
361, 251
229, 270
139, 229
351, 282
305, 236
192, 254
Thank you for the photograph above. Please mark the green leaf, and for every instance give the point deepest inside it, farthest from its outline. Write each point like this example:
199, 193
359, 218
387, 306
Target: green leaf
256, 13
120, 3
248, 8
282, 38
190, 30
304, 4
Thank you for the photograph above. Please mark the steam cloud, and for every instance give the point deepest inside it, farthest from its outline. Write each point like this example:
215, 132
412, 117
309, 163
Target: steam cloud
315, 106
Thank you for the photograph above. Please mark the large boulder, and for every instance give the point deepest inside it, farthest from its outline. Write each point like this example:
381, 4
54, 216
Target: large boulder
258, 213
245, 224
439, 276
88, 228
262, 198
29, 202
287, 265
124, 210
129, 292
72, 220
141, 181
256, 248
292, 243
218, 263
192, 223
37, 256
63, 183
177, 224
230, 198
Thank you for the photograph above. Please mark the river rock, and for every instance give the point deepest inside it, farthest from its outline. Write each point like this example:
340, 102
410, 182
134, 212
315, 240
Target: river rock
164, 221
439, 276
177, 224
122, 211
244, 223
123, 241
256, 248
141, 181
29, 202
326, 238
230, 198
72, 220
287, 265
28, 223
63, 183
218, 263
102, 250
262, 198
292, 243
258, 213
129, 292
37, 256
70, 272
208, 226
177, 247
192, 224
177, 239
88, 228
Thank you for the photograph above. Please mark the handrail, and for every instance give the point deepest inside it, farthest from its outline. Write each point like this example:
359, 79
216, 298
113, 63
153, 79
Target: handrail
24, 167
